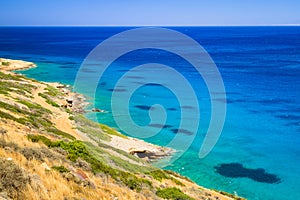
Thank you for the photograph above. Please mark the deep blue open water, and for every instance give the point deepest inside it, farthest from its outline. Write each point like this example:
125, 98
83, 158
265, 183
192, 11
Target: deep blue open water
257, 155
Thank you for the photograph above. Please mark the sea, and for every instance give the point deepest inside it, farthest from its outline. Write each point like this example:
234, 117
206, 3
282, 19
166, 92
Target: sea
257, 154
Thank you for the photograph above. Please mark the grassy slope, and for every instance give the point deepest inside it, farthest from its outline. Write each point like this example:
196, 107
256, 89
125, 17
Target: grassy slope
30, 137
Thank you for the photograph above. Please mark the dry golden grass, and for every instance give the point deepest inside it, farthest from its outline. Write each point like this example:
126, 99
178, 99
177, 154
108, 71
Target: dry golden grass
53, 185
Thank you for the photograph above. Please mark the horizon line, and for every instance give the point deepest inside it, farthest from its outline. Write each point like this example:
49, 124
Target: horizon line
179, 25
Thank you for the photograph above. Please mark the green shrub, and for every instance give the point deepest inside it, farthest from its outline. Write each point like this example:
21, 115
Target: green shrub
93, 133
178, 175
172, 194
34, 117
7, 116
36, 107
71, 118
4, 76
111, 131
77, 149
52, 91
13, 85
158, 175
68, 111
86, 123
60, 133
5, 63
37, 138
14, 109
48, 100
60, 169
177, 182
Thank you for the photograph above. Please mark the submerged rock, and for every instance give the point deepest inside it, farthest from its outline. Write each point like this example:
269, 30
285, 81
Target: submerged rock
237, 170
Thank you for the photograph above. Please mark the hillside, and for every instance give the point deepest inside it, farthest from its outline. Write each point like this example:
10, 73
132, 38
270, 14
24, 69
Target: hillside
50, 150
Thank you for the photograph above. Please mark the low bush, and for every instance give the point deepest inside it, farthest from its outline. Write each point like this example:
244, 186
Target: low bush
10, 145
158, 175
38, 138
13, 108
172, 194
36, 107
4, 76
60, 133
177, 182
14, 86
60, 169
111, 131
177, 175
48, 100
7, 116
71, 118
12, 179
5, 63
30, 154
77, 149
52, 91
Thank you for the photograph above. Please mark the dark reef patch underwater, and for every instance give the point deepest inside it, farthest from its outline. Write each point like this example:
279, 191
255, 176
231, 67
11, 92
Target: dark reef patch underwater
237, 170
144, 107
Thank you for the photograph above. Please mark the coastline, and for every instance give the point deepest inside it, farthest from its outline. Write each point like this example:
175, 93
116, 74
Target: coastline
148, 152
75, 103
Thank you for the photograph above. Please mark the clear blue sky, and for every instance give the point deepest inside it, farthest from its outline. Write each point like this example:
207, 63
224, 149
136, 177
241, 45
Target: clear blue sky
149, 12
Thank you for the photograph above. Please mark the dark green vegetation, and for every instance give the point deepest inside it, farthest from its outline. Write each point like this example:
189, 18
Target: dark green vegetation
60, 169
9, 83
97, 131
110, 131
49, 94
36, 117
60, 133
160, 175
48, 100
10, 77
33, 106
173, 194
5, 63
77, 149
52, 91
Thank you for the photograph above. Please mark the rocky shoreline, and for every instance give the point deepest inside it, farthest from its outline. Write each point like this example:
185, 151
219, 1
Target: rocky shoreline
148, 152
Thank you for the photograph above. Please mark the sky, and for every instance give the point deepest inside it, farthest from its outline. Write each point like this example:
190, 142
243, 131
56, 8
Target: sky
148, 13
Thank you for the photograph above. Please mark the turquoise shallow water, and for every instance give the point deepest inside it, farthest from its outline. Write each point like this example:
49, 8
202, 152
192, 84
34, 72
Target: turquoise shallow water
258, 151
